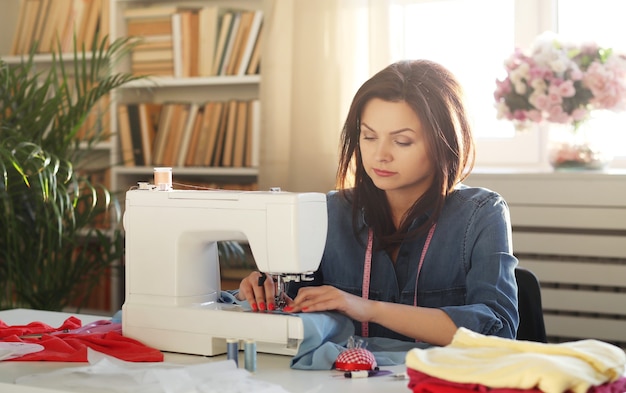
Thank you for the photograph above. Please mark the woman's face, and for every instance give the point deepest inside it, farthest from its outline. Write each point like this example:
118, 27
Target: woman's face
393, 149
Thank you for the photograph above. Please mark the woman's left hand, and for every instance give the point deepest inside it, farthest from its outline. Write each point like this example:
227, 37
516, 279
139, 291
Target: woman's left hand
329, 298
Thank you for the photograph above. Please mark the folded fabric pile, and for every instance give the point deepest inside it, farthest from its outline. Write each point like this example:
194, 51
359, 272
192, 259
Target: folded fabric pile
70, 341
479, 363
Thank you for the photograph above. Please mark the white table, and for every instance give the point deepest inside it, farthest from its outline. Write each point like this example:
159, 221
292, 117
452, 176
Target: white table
270, 368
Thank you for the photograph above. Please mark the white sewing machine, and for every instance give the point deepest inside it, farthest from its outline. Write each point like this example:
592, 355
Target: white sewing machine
172, 270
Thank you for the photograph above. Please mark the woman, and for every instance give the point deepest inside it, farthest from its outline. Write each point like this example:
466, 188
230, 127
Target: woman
441, 255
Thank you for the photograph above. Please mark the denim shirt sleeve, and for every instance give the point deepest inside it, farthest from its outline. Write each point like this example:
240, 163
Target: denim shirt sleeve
482, 228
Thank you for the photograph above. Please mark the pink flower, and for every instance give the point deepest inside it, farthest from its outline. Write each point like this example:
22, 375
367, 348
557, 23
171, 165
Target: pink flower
535, 116
606, 82
519, 115
563, 88
554, 96
557, 115
541, 102
579, 114
503, 88
560, 82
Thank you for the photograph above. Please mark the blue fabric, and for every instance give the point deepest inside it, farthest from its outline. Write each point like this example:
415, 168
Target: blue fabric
468, 272
326, 335
229, 297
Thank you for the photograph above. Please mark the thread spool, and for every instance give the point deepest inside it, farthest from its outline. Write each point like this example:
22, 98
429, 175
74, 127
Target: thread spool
163, 178
250, 355
232, 350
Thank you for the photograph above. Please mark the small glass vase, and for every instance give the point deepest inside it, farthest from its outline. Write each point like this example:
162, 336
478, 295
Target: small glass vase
574, 148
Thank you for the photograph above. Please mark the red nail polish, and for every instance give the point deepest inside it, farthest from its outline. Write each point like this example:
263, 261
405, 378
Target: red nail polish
254, 307
271, 307
305, 308
262, 306
287, 308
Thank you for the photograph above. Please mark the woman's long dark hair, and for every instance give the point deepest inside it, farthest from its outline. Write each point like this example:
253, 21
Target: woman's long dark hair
436, 97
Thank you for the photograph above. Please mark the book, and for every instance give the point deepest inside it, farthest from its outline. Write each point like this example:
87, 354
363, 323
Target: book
189, 43
254, 136
105, 21
238, 43
202, 145
97, 120
126, 142
134, 120
148, 116
220, 131
27, 22
208, 30
16, 46
41, 22
80, 10
229, 136
152, 11
177, 124
250, 42
151, 68
154, 55
149, 27
229, 45
65, 27
93, 22
34, 18
239, 143
154, 42
214, 127
226, 24
161, 136
190, 157
177, 45
186, 134
49, 27
255, 58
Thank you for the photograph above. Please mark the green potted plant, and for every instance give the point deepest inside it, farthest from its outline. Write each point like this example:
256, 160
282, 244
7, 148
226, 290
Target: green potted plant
52, 252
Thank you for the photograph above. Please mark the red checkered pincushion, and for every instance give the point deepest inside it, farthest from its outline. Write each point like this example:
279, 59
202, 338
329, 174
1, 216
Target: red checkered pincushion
355, 359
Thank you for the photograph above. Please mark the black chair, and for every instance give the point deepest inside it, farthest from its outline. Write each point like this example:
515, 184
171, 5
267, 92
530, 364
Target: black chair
531, 325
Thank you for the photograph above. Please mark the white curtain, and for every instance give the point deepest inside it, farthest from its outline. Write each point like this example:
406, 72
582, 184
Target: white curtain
316, 54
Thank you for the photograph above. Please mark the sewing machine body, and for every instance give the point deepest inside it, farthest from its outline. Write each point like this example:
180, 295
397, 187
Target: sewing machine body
172, 267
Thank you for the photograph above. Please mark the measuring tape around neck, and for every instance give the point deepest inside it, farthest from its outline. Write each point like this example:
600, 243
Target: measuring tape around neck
367, 271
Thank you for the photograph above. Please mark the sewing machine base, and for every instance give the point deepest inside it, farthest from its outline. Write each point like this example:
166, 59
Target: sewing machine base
203, 330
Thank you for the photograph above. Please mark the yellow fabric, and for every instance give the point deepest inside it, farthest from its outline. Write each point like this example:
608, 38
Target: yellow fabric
504, 363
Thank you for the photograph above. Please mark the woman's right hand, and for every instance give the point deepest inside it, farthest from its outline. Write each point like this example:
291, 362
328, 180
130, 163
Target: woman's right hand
258, 291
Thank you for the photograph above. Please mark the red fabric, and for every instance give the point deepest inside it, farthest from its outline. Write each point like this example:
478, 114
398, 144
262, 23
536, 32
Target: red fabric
70, 347
423, 383
618, 386
37, 328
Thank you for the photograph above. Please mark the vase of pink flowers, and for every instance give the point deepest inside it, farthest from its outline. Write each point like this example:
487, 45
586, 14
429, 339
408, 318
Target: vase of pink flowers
562, 84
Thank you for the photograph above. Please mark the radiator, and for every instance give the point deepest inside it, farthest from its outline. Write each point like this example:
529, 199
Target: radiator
570, 230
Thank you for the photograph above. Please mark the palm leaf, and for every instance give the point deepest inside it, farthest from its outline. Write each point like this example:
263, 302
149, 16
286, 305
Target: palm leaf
50, 251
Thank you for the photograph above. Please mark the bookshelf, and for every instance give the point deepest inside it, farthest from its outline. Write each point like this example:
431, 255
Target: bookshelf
196, 87
174, 82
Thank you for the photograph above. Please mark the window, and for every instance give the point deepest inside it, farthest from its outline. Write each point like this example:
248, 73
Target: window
473, 38
604, 25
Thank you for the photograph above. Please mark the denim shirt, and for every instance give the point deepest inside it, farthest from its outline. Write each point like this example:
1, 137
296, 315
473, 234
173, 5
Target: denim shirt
468, 271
